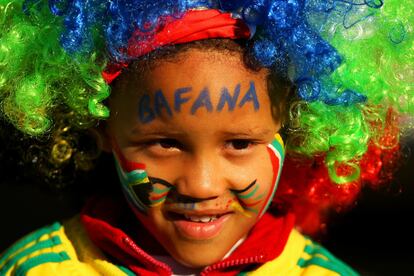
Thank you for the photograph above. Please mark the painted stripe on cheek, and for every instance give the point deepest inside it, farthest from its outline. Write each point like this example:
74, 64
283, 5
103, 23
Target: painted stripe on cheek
276, 152
249, 195
139, 189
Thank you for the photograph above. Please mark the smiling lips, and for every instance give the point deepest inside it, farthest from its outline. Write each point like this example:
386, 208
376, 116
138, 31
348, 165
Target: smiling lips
201, 227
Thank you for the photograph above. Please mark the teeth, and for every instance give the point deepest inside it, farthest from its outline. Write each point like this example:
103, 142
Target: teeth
201, 218
205, 219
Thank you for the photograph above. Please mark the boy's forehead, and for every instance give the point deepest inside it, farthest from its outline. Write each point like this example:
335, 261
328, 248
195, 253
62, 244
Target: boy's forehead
195, 86
225, 123
197, 67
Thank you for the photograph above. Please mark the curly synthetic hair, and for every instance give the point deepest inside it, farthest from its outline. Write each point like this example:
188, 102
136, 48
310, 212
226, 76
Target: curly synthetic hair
37, 75
351, 63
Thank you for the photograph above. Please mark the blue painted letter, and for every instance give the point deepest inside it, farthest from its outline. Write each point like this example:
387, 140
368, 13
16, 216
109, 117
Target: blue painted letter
226, 97
178, 99
250, 97
145, 112
202, 100
160, 102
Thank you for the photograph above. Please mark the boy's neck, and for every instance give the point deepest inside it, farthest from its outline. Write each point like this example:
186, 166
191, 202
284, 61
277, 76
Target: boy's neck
180, 269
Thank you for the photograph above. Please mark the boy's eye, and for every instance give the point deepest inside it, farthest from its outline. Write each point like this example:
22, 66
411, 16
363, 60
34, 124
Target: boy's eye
163, 146
168, 143
239, 144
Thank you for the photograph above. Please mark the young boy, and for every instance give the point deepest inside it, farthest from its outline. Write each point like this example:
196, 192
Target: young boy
194, 129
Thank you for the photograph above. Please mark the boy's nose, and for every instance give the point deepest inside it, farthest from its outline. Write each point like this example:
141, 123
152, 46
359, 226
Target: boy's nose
202, 178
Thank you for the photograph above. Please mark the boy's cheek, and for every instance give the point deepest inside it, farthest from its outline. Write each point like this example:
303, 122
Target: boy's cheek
276, 150
257, 200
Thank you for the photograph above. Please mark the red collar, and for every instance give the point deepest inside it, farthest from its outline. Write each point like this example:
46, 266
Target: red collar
102, 219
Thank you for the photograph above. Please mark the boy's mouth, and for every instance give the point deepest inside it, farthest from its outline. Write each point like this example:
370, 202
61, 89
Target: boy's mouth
196, 216
199, 226
201, 218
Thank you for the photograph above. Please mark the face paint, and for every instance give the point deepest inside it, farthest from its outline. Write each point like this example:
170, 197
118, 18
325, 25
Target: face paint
250, 197
236, 206
276, 151
160, 190
187, 206
149, 108
141, 191
135, 184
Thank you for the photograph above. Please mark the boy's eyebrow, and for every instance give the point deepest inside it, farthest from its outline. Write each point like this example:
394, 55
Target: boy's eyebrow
249, 131
155, 131
163, 131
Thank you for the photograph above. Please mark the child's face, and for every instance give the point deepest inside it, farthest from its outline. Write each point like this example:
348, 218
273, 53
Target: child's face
205, 152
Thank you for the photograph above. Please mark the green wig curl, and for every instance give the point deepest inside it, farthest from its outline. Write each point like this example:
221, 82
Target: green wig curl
37, 75
378, 61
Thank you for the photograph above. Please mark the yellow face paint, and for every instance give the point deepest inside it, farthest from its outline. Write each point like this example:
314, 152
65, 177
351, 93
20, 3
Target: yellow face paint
235, 205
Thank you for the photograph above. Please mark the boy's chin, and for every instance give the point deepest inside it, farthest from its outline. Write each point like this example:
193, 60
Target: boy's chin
198, 256
200, 253
192, 248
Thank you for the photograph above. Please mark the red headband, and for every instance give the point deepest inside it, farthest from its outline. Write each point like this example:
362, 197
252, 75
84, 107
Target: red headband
194, 25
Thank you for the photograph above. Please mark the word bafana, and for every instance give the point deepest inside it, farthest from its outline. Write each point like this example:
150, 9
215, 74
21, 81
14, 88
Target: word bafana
150, 107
